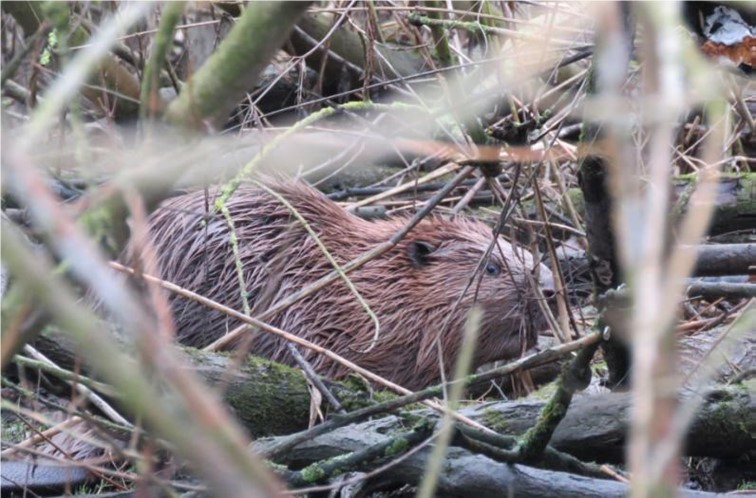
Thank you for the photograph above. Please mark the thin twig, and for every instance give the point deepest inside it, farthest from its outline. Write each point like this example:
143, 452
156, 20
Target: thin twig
313, 377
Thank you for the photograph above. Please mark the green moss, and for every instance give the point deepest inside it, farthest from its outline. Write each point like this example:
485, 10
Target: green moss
576, 197
99, 223
12, 430
410, 418
277, 403
495, 420
313, 473
275, 467
316, 472
93, 489
272, 368
745, 204
336, 468
726, 214
545, 392
359, 394
398, 447
553, 410
355, 383
727, 395
52, 43
599, 365
749, 385
202, 356
448, 128
746, 200
727, 415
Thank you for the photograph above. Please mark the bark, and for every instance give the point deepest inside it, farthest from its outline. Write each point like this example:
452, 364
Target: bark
273, 399
20, 477
595, 426
725, 259
725, 267
735, 210
464, 474
593, 176
602, 258
736, 202
268, 398
726, 290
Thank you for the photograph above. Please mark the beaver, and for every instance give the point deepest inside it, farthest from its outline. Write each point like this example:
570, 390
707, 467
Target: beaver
419, 290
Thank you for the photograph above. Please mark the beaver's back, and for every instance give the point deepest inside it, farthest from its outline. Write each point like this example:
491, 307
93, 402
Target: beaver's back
194, 249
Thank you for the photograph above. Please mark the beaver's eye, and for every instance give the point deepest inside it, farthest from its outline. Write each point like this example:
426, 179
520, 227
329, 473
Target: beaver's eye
493, 268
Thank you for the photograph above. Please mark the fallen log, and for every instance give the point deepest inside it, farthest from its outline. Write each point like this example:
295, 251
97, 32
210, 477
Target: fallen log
271, 399
464, 473
735, 203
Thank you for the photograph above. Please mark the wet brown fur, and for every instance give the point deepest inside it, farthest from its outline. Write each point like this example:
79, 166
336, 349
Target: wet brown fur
413, 292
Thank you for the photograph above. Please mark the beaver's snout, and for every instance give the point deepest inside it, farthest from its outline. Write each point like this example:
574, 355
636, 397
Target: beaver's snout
546, 284
547, 288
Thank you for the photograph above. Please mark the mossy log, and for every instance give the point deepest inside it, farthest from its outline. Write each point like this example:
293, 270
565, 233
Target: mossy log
266, 397
464, 473
595, 426
271, 399
736, 201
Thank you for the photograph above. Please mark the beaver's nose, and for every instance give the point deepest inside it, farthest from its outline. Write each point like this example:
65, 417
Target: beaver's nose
547, 284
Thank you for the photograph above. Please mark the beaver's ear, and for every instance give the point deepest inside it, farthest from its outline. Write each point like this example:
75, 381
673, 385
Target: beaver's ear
418, 252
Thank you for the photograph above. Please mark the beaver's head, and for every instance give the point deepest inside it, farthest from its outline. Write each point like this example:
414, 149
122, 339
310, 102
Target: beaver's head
456, 264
